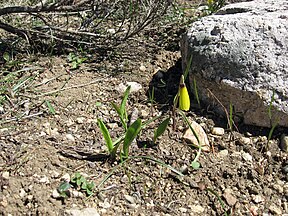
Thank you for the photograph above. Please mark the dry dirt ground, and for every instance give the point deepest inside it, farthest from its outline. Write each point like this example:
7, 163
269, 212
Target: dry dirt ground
40, 150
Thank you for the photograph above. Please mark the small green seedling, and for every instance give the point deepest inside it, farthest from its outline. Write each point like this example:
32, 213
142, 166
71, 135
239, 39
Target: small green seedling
50, 107
63, 189
82, 184
273, 124
121, 110
75, 60
130, 133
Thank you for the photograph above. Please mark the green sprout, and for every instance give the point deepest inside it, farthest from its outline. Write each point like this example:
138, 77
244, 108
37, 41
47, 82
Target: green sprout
131, 132
81, 183
75, 60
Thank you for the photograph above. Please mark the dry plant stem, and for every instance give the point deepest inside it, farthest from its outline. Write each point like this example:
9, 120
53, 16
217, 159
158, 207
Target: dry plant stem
71, 87
225, 110
22, 117
104, 15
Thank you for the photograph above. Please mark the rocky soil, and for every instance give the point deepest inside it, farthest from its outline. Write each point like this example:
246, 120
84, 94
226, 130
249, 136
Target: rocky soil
243, 173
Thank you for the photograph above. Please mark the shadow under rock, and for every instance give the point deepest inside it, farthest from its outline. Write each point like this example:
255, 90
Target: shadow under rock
165, 86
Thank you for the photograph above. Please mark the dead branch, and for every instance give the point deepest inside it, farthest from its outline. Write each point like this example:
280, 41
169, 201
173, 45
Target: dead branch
103, 23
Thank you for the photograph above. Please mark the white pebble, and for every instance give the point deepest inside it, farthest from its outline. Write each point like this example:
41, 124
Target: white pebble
246, 156
218, 131
70, 137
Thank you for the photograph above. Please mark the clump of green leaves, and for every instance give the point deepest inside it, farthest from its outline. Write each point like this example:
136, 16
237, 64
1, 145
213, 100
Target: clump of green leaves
78, 182
130, 132
81, 183
75, 60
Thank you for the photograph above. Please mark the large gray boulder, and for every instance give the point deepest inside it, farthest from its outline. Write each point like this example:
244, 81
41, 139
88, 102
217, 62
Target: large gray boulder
240, 55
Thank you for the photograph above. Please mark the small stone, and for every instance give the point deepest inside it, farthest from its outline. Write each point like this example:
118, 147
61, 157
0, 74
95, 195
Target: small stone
189, 137
245, 140
77, 194
70, 137
144, 113
183, 210
218, 131
223, 153
30, 197
66, 177
257, 198
130, 199
112, 125
55, 194
135, 87
22, 193
197, 209
284, 143
275, 209
148, 184
111, 31
230, 199
105, 204
6, 175
1, 110
278, 188
253, 210
4, 202
246, 156
44, 180
82, 212
142, 68
80, 120
55, 174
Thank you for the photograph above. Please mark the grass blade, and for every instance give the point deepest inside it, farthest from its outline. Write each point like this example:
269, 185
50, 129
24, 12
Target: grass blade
50, 107
188, 66
131, 134
106, 135
196, 91
191, 128
123, 103
161, 129
118, 110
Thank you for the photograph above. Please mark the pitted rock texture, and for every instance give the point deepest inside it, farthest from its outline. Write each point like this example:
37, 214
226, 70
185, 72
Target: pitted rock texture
241, 55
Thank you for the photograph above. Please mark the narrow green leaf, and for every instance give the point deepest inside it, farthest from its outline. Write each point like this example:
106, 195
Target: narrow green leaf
131, 134
196, 91
161, 129
188, 66
50, 107
150, 121
106, 135
271, 104
191, 128
123, 103
118, 110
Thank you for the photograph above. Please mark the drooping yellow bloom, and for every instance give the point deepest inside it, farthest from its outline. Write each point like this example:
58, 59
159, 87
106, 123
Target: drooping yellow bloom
184, 100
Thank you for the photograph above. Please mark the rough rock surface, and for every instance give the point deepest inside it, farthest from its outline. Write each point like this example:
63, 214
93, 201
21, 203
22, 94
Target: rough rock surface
241, 55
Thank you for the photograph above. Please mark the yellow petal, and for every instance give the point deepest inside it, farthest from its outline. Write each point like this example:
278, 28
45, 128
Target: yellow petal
184, 100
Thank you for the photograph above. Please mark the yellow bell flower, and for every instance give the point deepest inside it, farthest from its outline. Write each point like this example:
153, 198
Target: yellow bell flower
184, 100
